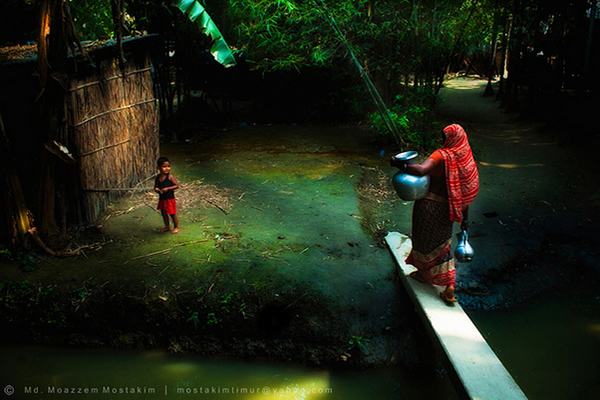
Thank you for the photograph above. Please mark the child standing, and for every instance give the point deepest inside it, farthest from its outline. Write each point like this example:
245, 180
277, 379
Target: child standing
165, 185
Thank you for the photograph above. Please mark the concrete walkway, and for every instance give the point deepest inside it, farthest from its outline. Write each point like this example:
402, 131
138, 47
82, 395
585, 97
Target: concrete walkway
479, 373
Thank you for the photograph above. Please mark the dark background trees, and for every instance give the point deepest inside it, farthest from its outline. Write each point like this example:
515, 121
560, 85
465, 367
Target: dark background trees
295, 67
404, 45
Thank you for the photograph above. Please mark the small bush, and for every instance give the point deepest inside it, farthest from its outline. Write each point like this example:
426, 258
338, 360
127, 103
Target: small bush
414, 115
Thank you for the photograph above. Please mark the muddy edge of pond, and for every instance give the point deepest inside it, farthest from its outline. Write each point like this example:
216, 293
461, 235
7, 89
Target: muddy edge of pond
300, 326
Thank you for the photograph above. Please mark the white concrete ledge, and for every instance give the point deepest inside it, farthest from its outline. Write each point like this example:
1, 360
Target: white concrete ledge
478, 369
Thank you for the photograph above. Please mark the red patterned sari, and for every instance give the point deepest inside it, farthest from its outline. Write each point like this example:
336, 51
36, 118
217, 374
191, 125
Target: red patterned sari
433, 216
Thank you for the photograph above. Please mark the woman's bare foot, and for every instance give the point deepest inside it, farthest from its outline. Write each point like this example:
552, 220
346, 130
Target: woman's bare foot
448, 295
165, 229
176, 230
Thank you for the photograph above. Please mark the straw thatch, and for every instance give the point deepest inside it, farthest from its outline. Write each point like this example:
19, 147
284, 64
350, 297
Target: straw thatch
115, 132
80, 141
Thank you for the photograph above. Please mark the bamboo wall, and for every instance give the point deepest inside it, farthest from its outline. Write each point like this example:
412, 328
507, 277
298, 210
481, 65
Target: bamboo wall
114, 130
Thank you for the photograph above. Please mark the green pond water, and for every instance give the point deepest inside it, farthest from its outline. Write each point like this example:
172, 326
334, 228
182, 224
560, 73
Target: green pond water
550, 347
42, 372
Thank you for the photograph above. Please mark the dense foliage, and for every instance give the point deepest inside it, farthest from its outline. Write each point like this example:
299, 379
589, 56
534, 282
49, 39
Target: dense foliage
406, 47
93, 18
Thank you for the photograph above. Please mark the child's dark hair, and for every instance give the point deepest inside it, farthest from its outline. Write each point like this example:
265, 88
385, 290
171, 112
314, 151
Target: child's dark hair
161, 161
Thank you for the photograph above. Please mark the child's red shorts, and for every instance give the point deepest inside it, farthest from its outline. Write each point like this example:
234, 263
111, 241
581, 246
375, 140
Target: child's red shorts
169, 206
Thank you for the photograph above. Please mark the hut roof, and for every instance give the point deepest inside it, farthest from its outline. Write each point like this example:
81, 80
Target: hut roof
18, 54
22, 54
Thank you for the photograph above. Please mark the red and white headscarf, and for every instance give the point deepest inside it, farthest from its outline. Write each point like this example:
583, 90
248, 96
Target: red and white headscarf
462, 178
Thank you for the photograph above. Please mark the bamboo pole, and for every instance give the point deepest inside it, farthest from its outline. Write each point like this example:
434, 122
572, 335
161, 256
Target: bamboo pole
128, 189
106, 80
105, 147
375, 96
112, 111
168, 249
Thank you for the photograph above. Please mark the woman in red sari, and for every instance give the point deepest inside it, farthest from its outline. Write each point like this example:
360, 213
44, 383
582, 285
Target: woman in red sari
454, 185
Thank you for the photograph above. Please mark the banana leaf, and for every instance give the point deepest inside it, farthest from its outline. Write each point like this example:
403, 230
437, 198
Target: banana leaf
197, 13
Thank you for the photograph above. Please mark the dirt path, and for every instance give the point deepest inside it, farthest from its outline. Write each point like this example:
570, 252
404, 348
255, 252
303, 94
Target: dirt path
534, 221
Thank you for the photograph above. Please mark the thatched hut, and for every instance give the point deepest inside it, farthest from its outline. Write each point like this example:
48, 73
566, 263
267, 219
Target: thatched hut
107, 140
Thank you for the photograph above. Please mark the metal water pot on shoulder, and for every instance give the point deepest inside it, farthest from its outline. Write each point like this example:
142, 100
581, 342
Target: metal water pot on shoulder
410, 187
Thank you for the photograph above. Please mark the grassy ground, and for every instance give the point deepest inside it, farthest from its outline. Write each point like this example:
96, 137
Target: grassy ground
279, 254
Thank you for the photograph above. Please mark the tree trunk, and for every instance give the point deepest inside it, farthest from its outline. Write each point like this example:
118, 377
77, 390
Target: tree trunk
54, 41
513, 67
588, 46
458, 40
504, 44
489, 90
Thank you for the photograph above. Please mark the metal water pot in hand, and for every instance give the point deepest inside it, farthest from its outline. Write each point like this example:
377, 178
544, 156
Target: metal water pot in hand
464, 251
410, 187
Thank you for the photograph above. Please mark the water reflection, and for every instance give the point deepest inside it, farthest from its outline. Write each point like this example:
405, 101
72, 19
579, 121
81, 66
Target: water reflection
46, 372
549, 346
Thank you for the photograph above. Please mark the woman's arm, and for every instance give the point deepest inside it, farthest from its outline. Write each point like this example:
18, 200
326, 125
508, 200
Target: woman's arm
415, 169
464, 224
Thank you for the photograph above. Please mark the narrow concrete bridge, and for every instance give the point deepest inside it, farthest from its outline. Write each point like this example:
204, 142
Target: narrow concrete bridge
475, 368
